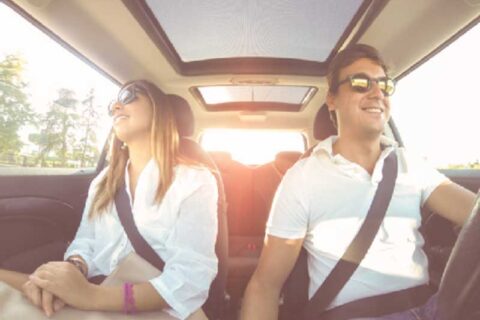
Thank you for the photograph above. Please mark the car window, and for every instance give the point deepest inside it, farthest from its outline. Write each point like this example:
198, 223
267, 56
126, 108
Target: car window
52, 104
252, 147
437, 107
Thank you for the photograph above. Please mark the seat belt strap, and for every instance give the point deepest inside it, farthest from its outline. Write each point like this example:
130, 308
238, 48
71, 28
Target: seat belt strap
380, 305
360, 244
140, 245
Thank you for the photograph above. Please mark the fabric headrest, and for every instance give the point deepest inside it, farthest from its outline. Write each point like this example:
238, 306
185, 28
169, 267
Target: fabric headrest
323, 126
220, 156
290, 156
285, 159
183, 115
222, 159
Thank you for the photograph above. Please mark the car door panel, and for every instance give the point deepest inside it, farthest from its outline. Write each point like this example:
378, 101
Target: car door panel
38, 216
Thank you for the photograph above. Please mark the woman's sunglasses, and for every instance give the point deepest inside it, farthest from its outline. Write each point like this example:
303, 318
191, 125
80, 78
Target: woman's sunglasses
126, 95
363, 83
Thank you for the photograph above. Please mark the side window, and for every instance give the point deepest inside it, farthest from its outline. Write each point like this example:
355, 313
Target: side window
437, 106
53, 117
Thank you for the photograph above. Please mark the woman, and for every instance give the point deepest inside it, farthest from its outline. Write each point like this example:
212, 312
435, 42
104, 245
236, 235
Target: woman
174, 203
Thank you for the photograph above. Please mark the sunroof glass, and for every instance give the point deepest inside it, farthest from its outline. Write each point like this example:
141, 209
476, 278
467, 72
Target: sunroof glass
304, 30
228, 94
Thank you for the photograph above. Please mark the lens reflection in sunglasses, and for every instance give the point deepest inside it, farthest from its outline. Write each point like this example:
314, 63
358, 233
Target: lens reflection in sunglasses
362, 83
125, 96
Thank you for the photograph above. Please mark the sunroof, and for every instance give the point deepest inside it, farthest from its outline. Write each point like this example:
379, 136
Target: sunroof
225, 94
290, 29
254, 98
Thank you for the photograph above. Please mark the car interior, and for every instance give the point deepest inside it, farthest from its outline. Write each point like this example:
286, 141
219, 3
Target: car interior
249, 65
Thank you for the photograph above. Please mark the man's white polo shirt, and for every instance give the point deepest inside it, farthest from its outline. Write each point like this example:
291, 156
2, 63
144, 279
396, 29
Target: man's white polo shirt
324, 198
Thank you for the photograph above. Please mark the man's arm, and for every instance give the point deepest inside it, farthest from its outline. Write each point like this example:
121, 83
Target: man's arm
452, 202
263, 291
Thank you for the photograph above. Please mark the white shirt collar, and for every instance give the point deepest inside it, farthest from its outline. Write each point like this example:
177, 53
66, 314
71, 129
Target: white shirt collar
327, 144
148, 180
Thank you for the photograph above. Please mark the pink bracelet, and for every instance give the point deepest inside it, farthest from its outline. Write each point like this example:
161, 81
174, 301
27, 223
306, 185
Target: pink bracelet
128, 299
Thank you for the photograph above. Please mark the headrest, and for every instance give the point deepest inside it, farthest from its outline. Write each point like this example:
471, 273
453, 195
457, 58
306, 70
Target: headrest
323, 126
183, 115
223, 160
285, 159
220, 156
291, 156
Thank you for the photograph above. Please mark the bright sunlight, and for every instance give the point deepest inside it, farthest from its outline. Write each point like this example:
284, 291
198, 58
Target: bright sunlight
252, 146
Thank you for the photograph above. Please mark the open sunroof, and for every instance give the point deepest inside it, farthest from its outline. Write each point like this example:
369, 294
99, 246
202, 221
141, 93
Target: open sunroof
248, 36
254, 98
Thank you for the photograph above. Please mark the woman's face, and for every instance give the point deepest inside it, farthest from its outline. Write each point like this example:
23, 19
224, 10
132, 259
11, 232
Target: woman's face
132, 115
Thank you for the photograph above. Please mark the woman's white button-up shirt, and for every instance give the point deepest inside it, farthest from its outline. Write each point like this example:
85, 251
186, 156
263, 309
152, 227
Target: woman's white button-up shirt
182, 230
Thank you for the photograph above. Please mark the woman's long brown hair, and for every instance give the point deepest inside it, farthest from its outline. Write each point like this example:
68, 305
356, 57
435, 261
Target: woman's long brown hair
164, 146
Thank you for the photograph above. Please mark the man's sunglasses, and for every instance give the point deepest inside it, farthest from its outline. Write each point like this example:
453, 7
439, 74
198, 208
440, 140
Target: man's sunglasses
126, 95
363, 83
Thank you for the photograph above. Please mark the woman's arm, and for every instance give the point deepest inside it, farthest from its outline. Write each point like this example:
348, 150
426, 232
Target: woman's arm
60, 277
14, 279
112, 298
78, 251
190, 260
82, 245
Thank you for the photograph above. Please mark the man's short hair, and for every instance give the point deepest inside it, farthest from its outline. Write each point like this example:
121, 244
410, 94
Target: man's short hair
345, 58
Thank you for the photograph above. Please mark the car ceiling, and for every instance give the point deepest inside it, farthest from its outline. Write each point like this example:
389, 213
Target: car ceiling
106, 34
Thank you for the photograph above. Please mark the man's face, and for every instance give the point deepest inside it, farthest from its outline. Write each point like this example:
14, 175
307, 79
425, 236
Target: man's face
360, 113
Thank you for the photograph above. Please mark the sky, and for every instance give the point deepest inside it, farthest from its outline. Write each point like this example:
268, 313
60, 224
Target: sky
436, 107
45, 57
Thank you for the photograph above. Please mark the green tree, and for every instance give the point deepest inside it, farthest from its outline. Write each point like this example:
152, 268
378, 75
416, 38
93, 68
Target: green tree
15, 110
471, 165
57, 129
87, 151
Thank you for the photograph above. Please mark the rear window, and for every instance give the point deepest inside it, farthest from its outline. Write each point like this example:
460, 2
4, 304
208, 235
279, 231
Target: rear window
252, 147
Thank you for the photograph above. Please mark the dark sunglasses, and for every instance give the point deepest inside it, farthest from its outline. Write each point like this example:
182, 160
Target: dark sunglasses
126, 95
363, 83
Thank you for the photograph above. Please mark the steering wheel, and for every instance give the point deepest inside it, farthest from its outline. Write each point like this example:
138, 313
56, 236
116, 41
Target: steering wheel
459, 292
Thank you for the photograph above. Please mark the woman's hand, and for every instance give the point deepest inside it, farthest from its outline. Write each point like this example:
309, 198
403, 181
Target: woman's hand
41, 298
66, 282
33, 293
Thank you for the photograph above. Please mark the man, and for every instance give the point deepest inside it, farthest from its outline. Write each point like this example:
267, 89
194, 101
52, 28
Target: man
324, 198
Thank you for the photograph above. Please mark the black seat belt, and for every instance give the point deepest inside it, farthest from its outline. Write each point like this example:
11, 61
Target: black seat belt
140, 245
360, 244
